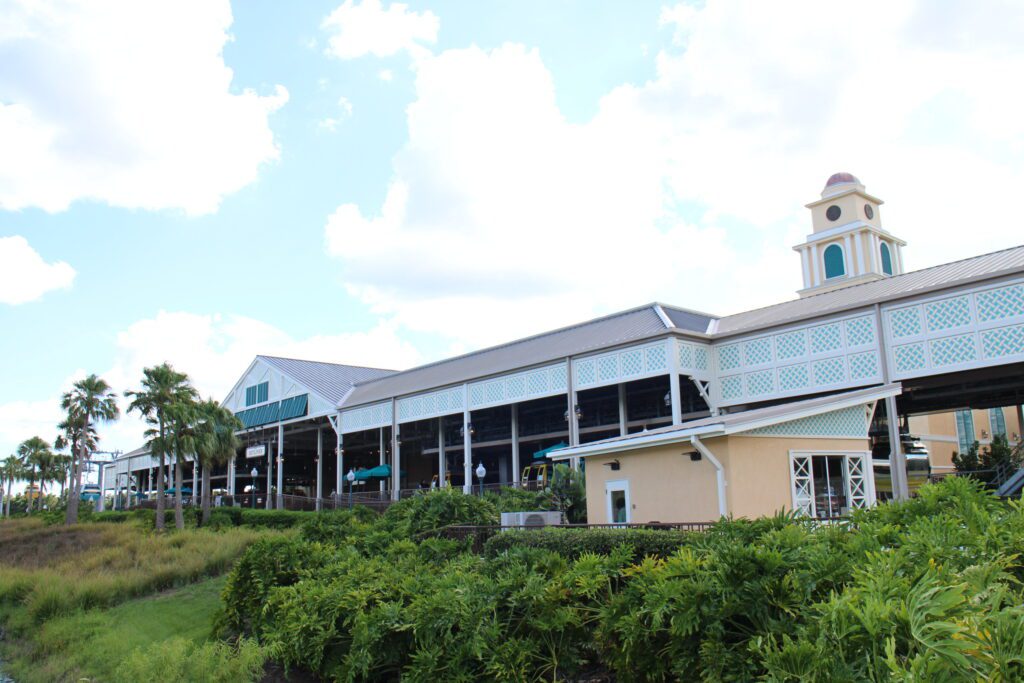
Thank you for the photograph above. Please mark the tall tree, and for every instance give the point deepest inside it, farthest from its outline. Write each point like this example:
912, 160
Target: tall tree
162, 387
34, 453
89, 399
184, 416
12, 470
70, 433
215, 442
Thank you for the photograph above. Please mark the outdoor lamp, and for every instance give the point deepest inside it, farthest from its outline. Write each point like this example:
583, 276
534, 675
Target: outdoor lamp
252, 487
462, 430
254, 473
668, 399
351, 476
481, 472
579, 411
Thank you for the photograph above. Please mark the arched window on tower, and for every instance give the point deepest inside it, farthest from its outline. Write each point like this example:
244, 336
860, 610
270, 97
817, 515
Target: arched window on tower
835, 264
886, 259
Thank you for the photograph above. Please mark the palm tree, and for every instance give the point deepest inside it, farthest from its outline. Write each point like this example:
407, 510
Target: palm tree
183, 415
70, 434
215, 442
12, 470
89, 399
162, 387
34, 454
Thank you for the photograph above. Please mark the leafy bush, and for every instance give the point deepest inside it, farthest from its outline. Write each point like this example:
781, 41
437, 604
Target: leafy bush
929, 589
271, 519
508, 499
993, 464
571, 543
221, 518
179, 660
109, 516
339, 526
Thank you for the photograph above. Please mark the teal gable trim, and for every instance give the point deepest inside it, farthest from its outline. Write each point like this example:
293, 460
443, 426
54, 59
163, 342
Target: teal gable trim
288, 409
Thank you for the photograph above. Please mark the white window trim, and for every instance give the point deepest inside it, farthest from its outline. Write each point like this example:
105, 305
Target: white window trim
617, 485
867, 464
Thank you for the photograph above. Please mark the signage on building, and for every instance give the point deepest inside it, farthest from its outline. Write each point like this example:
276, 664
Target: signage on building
256, 451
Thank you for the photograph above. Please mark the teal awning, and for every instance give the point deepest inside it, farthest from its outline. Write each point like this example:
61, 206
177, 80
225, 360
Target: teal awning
380, 472
277, 411
550, 449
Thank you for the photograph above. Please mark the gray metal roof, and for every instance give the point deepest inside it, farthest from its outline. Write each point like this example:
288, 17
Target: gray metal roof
986, 266
330, 380
686, 319
618, 328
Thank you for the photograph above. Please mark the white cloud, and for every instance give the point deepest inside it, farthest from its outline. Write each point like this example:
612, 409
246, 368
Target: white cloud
386, 75
125, 103
360, 29
25, 276
504, 218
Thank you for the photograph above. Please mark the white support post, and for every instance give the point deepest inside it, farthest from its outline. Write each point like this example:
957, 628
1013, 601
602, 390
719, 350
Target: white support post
515, 445
231, 476
319, 466
396, 455
467, 443
847, 256
675, 395
623, 414
859, 253
383, 461
805, 263
195, 482
897, 463
100, 504
876, 265
815, 266
339, 472
440, 453
280, 467
270, 475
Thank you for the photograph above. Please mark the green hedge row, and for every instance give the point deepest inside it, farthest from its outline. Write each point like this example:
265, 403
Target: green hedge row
571, 543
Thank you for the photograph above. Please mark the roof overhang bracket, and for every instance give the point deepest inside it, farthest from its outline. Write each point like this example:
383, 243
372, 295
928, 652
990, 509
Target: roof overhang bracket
705, 392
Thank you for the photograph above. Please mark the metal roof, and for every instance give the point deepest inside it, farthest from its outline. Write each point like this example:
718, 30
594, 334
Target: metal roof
686, 319
943, 276
732, 423
618, 328
330, 380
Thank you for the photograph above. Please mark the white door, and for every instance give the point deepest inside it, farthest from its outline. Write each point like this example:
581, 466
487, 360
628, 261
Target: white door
829, 485
619, 509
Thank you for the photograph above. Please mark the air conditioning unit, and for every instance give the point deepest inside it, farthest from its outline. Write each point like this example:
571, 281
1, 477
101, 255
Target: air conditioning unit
531, 519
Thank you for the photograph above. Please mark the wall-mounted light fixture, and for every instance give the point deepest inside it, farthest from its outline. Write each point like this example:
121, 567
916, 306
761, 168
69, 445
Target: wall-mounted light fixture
668, 399
462, 430
613, 464
984, 433
694, 455
577, 410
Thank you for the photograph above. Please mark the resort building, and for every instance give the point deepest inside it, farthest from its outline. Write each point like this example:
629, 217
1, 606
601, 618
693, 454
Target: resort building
675, 414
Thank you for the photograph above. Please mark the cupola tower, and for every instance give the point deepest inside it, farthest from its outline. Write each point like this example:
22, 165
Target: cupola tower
848, 244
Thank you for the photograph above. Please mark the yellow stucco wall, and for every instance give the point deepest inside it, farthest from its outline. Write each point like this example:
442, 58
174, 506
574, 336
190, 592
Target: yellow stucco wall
666, 486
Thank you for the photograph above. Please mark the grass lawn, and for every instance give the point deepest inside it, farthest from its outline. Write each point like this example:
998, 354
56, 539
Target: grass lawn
91, 644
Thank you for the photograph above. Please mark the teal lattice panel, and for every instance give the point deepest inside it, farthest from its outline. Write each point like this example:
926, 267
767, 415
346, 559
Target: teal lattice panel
999, 304
685, 355
1003, 341
793, 378
910, 357
905, 322
608, 368
632, 362
700, 358
848, 423
657, 359
860, 331
954, 350
829, 371
366, 417
732, 387
864, 365
948, 313
729, 357
826, 338
758, 351
791, 345
760, 383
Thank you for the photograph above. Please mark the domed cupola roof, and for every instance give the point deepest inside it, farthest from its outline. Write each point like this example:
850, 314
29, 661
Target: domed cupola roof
841, 178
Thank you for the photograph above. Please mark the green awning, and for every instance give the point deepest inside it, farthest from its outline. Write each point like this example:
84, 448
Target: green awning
379, 472
277, 411
550, 449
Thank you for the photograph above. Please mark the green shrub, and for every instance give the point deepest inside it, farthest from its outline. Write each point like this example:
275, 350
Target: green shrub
272, 519
510, 499
179, 660
221, 518
436, 509
340, 526
571, 543
111, 516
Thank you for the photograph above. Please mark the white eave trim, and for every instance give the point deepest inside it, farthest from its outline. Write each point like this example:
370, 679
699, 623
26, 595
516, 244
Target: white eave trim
640, 440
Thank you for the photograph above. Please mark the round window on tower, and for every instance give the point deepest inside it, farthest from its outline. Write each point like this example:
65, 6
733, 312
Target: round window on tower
833, 212
868, 211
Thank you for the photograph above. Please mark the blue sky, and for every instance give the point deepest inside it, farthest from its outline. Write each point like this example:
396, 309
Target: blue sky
386, 184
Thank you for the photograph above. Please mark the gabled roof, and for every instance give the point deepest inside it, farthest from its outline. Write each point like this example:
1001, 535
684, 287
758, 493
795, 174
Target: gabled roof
946, 275
329, 380
618, 328
733, 423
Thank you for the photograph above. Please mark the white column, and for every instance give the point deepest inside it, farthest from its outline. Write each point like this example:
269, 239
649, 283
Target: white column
515, 445
195, 481
859, 251
231, 475
467, 443
339, 473
396, 454
100, 504
897, 463
280, 467
440, 453
623, 417
270, 474
806, 266
898, 257
675, 395
319, 466
815, 266
382, 461
847, 255
873, 253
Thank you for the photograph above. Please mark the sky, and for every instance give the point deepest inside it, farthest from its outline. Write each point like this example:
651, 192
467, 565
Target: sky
386, 184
